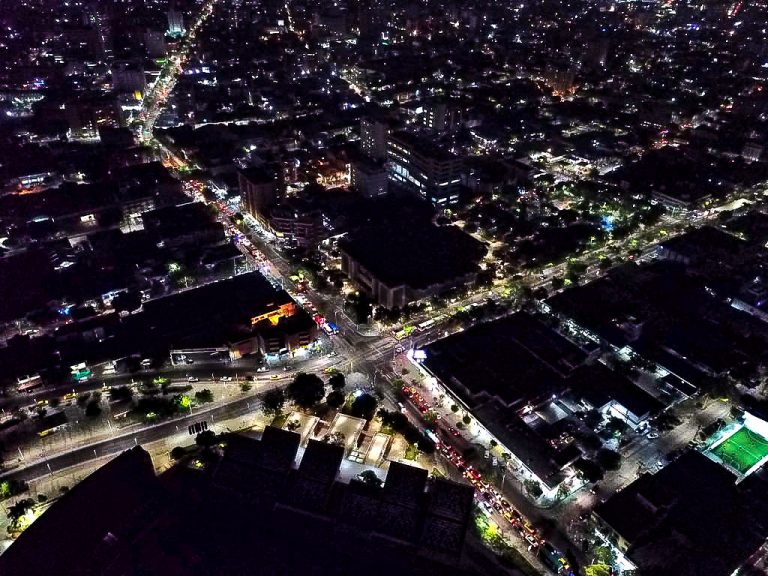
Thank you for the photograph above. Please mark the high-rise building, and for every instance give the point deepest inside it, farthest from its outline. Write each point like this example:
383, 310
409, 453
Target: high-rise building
175, 21
154, 43
259, 189
86, 115
373, 138
440, 117
369, 178
128, 77
417, 164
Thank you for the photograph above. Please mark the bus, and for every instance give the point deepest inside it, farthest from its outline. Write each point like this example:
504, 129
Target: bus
425, 325
330, 328
30, 383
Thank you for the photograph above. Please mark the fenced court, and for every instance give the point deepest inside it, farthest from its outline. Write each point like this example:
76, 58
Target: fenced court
742, 450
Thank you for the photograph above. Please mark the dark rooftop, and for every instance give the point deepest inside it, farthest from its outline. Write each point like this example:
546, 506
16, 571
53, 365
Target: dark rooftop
688, 519
125, 520
516, 360
415, 255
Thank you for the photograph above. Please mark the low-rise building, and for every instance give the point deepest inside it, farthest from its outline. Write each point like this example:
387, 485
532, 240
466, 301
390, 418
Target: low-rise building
398, 267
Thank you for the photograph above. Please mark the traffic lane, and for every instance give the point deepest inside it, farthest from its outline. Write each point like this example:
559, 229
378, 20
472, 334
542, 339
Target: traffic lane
514, 491
116, 445
176, 375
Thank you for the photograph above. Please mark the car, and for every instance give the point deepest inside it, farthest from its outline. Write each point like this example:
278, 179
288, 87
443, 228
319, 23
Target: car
189, 361
262, 369
652, 435
193, 379
532, 542
274, 377
226, 378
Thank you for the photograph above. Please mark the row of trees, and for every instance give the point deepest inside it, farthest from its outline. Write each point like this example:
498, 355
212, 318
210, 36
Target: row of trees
306, 391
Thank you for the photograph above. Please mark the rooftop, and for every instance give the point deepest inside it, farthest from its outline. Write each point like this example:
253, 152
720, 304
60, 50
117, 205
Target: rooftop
285, 520
688, 519
516, 360
416, 255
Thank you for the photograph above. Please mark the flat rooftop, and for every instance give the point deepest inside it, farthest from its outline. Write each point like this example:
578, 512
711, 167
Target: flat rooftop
415, 254
515, 360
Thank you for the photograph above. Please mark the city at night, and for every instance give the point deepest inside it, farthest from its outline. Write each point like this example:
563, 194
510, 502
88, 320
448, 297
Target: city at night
383, 287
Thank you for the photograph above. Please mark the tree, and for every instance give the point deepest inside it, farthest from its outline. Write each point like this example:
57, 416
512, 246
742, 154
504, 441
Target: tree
120, 393
12, 487
608, 459
19, 509
178, 453
598, 570
616, 425
603, 555
337, 381
364, 406
127, 301
467, 420
335, 399
92, 409
54, 402
337, 438
533, 488
204, 396
369, 477
306, 390
589, 470
454, 408
206, 439
273, 401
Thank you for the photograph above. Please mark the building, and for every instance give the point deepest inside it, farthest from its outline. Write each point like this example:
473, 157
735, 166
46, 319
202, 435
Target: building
561, 79
396, 267
259, 190
315, 516
297, 227
154, 43
688, 519
86, 115
440, 117
128, 77
175, 21
418, 165
369, 178
373, 138
503, 370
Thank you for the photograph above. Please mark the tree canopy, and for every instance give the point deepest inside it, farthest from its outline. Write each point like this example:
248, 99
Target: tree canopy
306, 390
273, 401
337, 381
335, 399
364, 406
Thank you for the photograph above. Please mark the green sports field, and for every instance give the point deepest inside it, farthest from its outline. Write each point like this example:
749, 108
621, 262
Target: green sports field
742, 450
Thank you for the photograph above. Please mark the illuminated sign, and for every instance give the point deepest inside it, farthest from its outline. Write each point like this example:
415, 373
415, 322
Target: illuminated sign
284, 311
